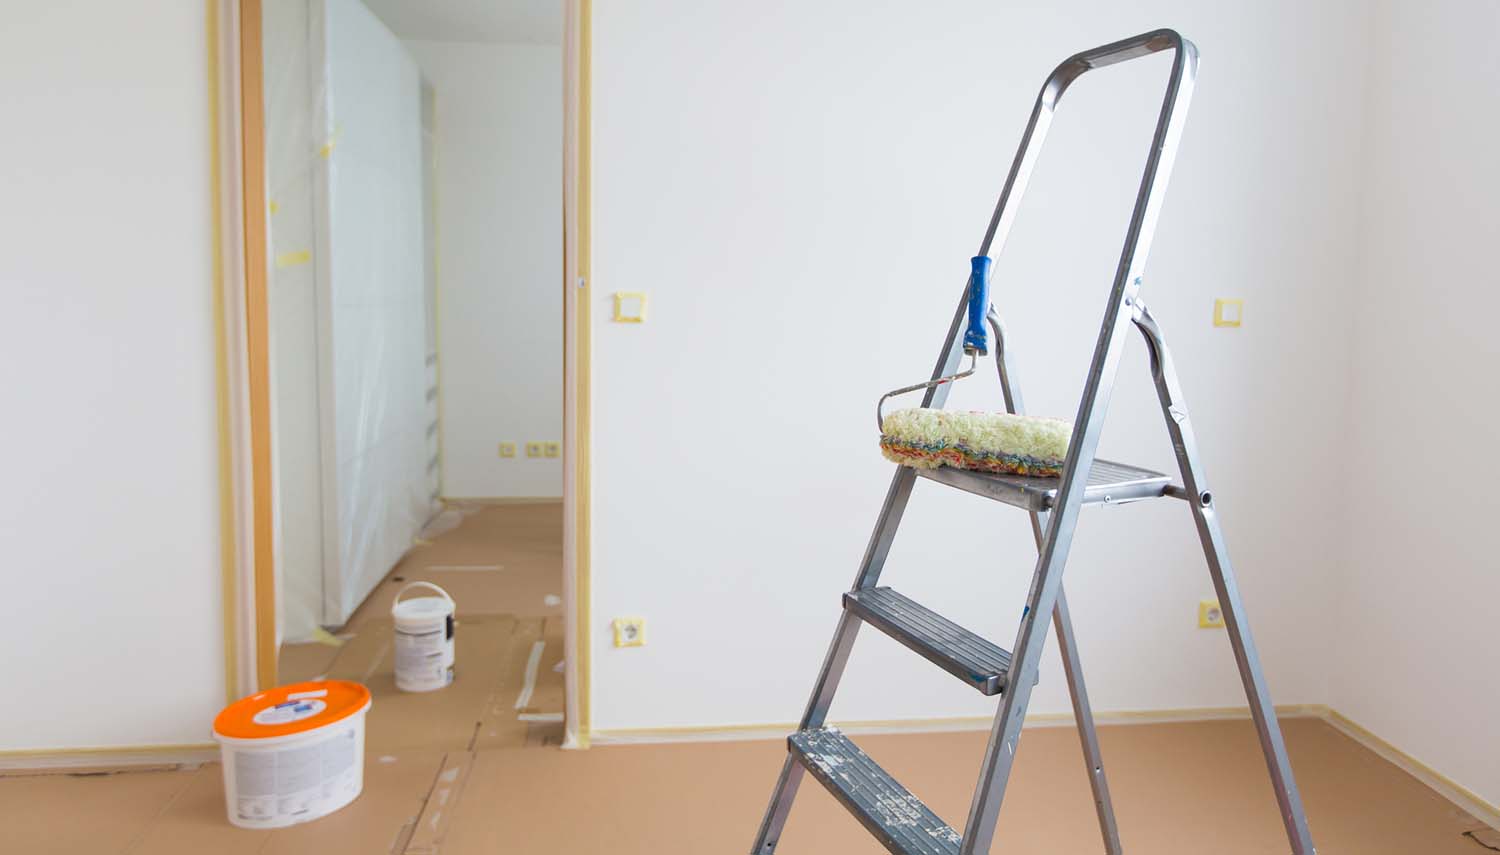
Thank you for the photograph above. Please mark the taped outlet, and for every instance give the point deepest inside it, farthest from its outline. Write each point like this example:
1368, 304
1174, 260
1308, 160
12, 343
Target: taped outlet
630, 631
1210, 616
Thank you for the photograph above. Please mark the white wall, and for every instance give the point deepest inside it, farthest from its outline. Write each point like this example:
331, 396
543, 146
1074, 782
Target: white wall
499, 152
1418, 650
802, 218
109, 520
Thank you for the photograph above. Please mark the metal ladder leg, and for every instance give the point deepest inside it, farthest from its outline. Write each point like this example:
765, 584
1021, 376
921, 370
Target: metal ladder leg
1072, 668
1046, 585
1000, 754
1084, 716
1185, 444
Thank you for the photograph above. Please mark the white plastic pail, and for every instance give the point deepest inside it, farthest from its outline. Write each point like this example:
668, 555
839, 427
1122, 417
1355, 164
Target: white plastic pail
424, 639
294, 753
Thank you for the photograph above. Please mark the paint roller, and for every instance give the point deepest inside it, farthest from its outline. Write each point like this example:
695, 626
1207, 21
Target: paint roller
976, 337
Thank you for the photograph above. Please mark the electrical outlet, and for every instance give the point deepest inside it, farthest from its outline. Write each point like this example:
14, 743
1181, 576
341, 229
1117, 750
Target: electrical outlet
630, 631
507, 449
1228, 312
1210, 616
533, 449
552, 449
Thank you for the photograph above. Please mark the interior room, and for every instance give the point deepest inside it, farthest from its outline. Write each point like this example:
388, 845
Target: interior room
445, 427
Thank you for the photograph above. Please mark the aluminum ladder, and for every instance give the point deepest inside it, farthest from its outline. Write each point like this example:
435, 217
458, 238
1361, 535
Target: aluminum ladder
887, 809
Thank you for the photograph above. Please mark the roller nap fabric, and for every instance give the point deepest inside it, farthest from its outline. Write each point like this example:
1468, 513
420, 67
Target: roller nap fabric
987, 442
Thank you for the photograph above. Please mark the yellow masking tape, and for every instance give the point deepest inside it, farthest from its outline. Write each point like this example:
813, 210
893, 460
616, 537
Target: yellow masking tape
292, 259
333, 141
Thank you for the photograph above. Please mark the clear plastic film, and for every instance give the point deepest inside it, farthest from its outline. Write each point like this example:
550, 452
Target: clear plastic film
351, 293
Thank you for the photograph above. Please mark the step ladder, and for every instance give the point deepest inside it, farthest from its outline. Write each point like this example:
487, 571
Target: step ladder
891, 813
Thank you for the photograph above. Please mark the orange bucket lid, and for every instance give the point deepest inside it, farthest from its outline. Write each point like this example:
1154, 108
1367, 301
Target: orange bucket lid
291, 709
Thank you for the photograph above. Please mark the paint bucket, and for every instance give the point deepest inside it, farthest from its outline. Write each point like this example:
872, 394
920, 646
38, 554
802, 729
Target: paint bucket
294, 753
424, 639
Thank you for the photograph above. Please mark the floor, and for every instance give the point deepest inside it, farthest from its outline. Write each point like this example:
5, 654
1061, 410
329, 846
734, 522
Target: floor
475, 769
502, 565
1179, 789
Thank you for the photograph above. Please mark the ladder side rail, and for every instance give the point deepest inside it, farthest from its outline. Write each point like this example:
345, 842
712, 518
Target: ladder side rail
1067, 646
1200, 499
1046, 584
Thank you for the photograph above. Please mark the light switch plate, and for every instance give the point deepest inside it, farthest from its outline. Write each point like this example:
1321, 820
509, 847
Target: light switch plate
630, 307
533, 449
507, 449
1228, 311
552, 449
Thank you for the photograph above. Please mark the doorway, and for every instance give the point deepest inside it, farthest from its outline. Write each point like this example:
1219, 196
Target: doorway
416, 371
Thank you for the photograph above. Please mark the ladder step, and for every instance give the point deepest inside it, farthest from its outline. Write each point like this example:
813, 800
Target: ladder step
1108, 482
897, 818
961, 653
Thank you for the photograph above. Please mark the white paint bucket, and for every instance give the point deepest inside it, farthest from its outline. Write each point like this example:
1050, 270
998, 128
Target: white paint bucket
424, 639
294, 753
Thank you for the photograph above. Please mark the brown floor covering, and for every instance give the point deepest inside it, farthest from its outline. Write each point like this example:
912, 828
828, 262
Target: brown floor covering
1186, 788
1179, 789
502, 564
458, 772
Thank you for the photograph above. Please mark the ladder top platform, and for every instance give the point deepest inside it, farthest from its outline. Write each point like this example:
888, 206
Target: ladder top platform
1109, 482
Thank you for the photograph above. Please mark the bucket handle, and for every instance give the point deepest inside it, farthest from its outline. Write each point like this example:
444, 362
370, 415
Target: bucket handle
420, 584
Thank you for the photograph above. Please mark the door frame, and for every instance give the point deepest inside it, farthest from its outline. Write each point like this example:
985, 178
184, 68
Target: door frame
243, 352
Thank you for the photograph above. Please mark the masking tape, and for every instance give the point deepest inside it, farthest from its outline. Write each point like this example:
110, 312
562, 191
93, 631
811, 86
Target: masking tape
329, 146
292, 259
533, 662
549, 717
323, 636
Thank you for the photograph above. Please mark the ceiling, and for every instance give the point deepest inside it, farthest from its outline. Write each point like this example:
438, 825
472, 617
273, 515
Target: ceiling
538, 22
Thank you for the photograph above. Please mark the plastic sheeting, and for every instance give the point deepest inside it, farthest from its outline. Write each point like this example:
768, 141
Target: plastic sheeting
352, 292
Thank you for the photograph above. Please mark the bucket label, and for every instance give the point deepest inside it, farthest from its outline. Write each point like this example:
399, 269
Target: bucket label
424, 661
270, 789
290, 711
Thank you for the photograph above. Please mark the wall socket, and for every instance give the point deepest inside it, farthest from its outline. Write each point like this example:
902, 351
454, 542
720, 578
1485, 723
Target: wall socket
630, 631
1210, 616
507, 449
533, 449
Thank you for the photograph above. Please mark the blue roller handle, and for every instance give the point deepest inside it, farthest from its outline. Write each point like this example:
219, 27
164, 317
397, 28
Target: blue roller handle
976, 337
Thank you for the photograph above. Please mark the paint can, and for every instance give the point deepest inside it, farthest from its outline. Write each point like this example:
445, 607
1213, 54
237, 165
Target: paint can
293, 753
424, 639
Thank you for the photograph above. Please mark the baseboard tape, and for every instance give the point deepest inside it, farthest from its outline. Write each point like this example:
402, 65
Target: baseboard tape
777, 730
41, 761
1436, 781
